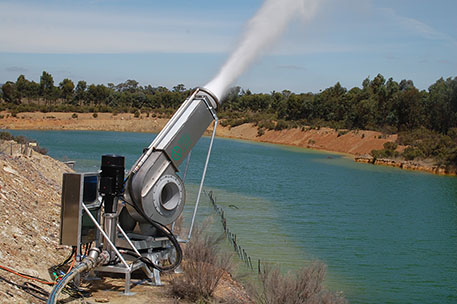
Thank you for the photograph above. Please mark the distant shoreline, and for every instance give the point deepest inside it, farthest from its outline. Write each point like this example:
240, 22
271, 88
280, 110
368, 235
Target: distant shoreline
357, 143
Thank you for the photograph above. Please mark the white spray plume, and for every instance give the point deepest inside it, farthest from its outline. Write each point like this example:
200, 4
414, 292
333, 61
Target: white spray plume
262, 30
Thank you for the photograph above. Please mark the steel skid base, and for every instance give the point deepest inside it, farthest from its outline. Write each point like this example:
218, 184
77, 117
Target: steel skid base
153, 276
157, 250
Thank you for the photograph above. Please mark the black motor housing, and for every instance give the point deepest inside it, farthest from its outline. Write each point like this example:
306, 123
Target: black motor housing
111, 179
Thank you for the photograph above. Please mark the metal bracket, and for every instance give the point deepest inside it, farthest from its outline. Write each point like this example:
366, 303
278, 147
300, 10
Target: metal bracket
202, 181
124, 267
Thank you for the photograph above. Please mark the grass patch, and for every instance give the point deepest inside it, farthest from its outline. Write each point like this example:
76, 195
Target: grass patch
303, 286
203, 266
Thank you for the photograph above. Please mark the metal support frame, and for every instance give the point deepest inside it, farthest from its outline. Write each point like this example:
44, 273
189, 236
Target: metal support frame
216, 120
125, 268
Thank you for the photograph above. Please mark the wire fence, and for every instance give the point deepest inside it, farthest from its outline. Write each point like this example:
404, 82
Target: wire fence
12, 148
231, 237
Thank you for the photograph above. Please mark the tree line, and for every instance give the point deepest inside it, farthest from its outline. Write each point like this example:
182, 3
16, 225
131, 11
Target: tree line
379, 104
66, 95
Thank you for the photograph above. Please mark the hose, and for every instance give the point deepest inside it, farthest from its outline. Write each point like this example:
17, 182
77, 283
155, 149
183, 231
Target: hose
95, 258
64, 281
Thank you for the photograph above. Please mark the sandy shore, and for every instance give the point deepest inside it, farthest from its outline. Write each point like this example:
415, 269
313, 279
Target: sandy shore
358, 143
353, 142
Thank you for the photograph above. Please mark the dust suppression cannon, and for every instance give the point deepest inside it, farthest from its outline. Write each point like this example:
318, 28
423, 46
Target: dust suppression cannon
120, 223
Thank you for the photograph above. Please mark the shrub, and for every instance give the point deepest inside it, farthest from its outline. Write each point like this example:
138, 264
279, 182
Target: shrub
342, 132
267, 124
5, 136
223, 122
40, 150
95, 115
387, 152
21, 139
260, 132
136, 114
238, 122
391, 146
281, 124
74, 115
411, 153
304, 286
203, 267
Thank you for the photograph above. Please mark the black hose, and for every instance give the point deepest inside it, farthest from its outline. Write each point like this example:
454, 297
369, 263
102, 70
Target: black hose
31, 289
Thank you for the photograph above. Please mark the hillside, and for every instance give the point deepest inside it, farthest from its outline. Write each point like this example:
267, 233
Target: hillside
30, 187
29, 217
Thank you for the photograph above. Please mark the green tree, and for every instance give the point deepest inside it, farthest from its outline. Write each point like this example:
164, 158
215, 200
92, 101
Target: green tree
66, 89
47, 90
129, 85
180, 88
80, 91
440, 105
98, 94
10, 93
22, 85
409, 108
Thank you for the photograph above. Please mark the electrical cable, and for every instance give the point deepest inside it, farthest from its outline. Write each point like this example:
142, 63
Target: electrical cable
72, 264
56, 271
30, 288
87, 264
164, 230
73, 251
26, 276
64, 281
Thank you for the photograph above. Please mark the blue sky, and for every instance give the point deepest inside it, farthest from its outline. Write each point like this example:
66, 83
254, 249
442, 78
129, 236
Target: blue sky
171, 42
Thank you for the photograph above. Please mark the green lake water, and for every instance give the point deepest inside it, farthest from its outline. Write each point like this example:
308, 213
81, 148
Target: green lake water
387, 235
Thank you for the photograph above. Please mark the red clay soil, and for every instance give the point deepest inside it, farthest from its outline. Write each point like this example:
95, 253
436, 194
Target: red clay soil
352, 142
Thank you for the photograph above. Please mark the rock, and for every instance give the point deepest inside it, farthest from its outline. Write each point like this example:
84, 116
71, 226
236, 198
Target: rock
10, 170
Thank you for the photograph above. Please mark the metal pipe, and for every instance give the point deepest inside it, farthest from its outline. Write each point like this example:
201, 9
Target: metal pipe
203, 178
109, 224
105, 236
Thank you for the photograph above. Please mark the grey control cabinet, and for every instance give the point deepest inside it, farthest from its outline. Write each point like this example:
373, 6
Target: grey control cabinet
75, 225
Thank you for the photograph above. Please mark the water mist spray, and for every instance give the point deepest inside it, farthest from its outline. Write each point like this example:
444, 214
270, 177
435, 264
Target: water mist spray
261, 32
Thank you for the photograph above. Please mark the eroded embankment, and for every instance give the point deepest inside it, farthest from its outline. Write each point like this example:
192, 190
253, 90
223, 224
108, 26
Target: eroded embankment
349, 142
30, 186
357, 143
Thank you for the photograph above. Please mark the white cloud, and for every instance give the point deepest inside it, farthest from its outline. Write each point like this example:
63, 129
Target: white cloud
418, 27
49, 30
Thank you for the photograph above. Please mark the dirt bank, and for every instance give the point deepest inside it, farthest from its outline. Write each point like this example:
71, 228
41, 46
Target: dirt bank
353, 142
29, 217
358, 143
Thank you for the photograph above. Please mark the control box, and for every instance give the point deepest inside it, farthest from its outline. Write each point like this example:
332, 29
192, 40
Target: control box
76, 227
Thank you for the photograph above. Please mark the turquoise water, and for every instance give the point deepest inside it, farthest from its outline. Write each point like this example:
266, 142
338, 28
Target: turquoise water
387, 235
